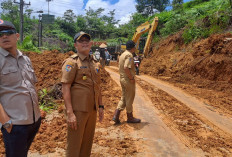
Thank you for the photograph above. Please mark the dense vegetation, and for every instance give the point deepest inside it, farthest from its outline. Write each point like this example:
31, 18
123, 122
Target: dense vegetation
196, 19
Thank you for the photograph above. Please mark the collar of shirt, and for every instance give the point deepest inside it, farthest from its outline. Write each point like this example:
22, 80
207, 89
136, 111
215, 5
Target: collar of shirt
83, 57
6, 53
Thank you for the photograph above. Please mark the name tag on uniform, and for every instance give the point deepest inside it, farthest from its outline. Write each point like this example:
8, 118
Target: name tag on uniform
83, 67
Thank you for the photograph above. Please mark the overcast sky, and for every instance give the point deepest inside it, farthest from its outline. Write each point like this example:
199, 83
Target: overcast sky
123, 8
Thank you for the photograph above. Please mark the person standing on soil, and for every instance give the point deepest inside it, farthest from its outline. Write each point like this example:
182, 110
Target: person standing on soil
97, 54
107, 54
19, 109
82, 97
127, 80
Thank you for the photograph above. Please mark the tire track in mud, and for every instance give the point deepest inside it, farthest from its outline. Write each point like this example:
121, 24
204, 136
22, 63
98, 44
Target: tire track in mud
158, 138
194, 130
206, 111
189, 125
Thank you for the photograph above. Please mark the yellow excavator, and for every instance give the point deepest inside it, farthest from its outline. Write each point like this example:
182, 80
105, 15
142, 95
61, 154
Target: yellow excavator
143, 28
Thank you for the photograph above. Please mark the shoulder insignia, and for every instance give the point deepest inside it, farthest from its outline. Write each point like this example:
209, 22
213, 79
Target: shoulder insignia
74, 56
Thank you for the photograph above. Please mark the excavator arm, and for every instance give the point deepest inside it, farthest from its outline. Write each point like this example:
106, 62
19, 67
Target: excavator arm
143, 28
150, 36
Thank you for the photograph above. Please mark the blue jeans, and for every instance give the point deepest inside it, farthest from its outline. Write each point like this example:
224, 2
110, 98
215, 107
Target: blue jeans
18, 141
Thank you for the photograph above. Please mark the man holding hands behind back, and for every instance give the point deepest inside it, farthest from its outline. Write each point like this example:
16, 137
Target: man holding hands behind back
82, 97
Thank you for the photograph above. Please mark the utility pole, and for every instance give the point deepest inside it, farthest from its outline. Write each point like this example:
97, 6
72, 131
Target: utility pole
21, 4
40, 32
48, 4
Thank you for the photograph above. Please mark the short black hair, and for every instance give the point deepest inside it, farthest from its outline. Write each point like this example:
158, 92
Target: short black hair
130, 45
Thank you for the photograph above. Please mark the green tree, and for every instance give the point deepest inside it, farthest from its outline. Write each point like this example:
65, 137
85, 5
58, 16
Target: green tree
110, 23
148, 7
95, 25
92, 13
10, 12
110, 20
177, 4
81, 23
69, 16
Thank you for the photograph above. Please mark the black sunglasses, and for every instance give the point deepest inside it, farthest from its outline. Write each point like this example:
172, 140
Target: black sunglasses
82, 41
7, 32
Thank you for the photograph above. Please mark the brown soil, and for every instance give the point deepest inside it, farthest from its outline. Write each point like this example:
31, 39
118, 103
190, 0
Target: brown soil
201, 67
114, 63
194, 130
47, 67
52, 133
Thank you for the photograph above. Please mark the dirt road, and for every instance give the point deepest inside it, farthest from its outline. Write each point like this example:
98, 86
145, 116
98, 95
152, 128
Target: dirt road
196, 125
207, 111
158, 138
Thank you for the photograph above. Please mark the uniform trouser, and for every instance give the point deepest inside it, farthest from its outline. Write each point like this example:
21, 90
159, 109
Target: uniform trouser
18, 141
128, 95
80, 141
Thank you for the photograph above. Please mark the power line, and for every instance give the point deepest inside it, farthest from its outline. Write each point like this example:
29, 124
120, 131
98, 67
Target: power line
65, 4
21, 4
35, 8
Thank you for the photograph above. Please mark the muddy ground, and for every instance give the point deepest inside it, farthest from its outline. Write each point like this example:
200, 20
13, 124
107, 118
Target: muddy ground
203, 68
193, 129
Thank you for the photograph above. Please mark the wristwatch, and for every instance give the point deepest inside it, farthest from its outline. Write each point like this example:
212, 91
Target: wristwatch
7, 124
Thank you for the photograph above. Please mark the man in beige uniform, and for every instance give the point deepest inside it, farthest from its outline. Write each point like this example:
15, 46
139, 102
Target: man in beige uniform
19, 107
82, 97
127, 80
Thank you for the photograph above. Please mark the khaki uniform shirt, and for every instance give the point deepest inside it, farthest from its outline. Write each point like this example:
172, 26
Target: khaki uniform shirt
17, 91
126, 61
84, 74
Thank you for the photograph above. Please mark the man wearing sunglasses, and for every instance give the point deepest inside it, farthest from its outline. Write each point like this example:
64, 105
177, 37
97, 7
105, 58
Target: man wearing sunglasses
82, 97
19, 110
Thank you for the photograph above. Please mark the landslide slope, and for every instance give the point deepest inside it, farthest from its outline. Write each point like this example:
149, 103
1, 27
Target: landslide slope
203, 68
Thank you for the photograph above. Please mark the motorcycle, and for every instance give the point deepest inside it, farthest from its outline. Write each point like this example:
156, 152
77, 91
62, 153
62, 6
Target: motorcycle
137, 63
107, 61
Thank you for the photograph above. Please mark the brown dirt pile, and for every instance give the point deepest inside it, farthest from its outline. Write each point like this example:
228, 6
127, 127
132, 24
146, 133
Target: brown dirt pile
202, 68
216, 44
214, 58
193, 130
114, 63
52, 135
210, 58
47, 67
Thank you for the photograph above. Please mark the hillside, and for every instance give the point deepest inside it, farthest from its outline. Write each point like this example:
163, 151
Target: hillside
197, 55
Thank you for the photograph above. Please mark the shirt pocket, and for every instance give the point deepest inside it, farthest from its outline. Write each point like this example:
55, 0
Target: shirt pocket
29, 73
10, 76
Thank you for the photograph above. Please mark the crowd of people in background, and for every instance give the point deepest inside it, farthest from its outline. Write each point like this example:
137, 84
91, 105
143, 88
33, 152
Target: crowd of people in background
103, 56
